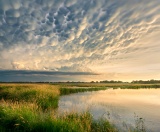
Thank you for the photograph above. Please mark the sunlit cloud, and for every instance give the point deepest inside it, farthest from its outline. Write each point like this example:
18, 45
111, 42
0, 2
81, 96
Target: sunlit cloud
106, 36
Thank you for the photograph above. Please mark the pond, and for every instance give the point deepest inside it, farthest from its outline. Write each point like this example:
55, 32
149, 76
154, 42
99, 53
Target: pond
122, 107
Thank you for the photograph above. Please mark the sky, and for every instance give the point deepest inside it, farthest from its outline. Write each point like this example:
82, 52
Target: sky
79, 40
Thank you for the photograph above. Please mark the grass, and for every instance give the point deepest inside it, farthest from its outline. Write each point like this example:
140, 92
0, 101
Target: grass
31, 108
108, 85
44, 96
102, 125
139, 86
66, 91
28, 118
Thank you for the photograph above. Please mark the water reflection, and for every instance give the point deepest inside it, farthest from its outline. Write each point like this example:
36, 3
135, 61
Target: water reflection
120, 106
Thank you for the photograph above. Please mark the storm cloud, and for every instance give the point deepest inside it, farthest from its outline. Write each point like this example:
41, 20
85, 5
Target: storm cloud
85, 36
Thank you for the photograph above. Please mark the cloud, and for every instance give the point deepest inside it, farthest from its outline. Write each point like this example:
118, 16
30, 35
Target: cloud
73, 35
37, 76
45, 73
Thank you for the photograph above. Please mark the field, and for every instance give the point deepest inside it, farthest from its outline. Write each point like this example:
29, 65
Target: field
32, 107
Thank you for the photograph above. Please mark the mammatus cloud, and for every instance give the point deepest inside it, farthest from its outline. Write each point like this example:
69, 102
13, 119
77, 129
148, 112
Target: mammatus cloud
116, 38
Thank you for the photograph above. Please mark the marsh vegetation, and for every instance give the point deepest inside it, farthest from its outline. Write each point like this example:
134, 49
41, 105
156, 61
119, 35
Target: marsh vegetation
33, 107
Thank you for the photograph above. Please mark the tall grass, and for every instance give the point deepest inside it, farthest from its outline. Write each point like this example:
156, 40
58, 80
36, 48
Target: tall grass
27, 117
66, 91
31, 108
45, 96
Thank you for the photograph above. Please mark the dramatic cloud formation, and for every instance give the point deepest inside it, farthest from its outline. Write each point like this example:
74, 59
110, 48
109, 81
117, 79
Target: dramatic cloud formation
117, 39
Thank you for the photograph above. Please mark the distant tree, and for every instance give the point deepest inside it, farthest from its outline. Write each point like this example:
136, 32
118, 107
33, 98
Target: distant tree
146, 82
112, 81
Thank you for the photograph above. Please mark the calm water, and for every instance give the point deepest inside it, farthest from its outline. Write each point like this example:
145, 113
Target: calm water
119, 106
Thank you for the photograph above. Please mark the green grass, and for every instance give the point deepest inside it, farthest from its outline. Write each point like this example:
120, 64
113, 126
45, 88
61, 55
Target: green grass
31, 108
66, 91
104, 85
22, 117
139, 86
102, 125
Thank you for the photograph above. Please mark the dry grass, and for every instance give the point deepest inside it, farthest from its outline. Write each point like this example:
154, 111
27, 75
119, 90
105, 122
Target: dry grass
31, 107
43, 95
